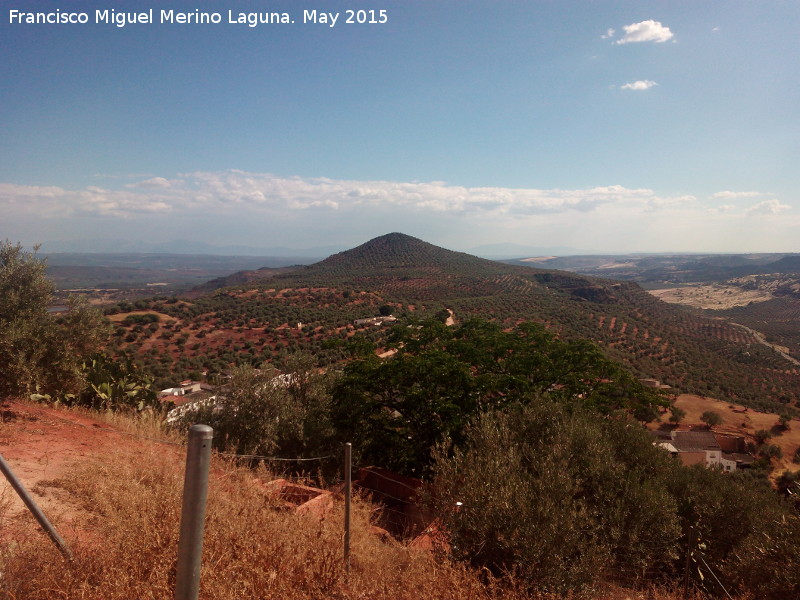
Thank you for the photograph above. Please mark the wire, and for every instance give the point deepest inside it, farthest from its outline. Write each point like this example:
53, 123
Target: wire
275, 458
400, 483
715, 577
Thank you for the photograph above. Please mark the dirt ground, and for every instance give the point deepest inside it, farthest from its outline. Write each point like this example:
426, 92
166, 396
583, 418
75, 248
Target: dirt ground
40, 444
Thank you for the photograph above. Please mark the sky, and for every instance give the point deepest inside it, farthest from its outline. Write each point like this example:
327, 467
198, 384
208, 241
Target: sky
598, 126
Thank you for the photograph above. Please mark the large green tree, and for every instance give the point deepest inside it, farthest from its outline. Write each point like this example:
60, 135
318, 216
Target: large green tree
41, 352
396, 410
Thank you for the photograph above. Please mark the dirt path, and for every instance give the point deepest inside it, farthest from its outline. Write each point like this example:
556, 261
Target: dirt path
761, 339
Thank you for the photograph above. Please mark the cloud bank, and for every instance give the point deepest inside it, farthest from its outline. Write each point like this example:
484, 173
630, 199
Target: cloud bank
768, 207
262, 192
245, 207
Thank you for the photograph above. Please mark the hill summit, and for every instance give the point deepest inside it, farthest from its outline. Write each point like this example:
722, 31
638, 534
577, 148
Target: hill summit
396, 250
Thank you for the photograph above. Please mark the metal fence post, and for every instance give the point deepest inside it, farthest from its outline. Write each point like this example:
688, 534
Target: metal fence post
195, 492
34, 508
348, 448
689, 547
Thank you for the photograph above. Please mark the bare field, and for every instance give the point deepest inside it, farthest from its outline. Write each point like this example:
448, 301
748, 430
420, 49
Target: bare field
711, 296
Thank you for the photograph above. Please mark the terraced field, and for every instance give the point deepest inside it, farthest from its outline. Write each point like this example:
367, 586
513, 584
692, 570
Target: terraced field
313, 309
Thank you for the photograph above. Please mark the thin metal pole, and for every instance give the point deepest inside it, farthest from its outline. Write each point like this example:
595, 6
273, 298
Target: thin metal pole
689, 540
34, 508
348, 448
195, 492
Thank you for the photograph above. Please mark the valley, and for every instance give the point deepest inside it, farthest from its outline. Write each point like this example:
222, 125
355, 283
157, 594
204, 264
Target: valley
260, 317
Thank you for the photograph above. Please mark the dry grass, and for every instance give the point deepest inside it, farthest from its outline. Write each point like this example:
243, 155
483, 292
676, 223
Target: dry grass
125, 544
123, 530
148, 424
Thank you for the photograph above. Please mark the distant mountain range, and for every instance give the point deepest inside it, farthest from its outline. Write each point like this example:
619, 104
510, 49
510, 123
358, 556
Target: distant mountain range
670, 268
105, 246
507, 251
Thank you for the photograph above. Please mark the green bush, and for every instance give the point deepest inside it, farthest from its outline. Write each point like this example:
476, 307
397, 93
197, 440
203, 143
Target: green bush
262, 413
554, 495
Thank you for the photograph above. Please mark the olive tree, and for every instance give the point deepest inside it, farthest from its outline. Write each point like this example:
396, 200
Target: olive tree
261, 412
554, 494
711, 418
41, 352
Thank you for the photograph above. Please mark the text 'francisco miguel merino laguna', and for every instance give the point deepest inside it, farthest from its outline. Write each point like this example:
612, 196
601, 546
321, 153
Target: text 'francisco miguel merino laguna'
251, 19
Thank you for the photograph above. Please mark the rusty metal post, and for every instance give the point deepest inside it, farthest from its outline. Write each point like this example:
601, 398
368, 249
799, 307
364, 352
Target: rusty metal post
34, 508
348, 448
193, 512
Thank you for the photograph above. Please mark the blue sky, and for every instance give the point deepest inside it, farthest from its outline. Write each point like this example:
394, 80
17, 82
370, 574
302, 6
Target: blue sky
602, 126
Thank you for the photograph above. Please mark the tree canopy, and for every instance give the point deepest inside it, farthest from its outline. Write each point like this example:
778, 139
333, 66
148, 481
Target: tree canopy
41, 352
396, 410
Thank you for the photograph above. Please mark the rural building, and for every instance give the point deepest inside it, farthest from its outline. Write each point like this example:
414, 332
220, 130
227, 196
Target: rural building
375, 321
706, 448
187, 391
654, 383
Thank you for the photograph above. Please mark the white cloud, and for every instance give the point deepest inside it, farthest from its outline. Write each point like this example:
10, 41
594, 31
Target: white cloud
768, 207
723, 208
645, 31
642, 84
58, 202
608, 34
728, 195
155, 182
223, 192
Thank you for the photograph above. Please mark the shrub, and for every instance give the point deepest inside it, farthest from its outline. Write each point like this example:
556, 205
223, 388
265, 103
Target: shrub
264, 413
555, 495
676, 415
762, 435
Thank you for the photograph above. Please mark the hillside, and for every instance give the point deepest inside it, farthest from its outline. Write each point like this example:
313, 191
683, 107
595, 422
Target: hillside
661, 269
113, 492
242, 277
397, 250
313, 308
